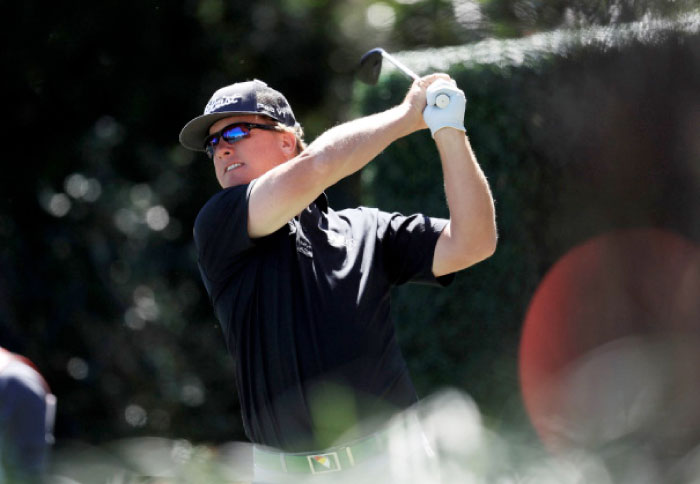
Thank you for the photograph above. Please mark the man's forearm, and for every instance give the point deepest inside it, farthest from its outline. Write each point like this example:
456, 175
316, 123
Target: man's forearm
471, 235
345, 149
286, 190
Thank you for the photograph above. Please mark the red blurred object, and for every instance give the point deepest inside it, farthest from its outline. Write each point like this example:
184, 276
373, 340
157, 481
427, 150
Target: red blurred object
635, 286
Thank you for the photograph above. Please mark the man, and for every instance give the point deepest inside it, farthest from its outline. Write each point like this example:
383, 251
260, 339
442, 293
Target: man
302, 291
27, 410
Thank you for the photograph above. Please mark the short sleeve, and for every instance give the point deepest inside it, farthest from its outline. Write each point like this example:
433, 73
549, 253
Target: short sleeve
408, 247
221, 231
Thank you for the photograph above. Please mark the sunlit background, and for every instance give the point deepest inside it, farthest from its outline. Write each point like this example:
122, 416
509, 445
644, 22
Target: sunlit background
585, 116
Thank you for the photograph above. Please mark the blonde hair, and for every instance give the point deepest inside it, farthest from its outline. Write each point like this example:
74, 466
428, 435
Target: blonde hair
296, 130
298, 133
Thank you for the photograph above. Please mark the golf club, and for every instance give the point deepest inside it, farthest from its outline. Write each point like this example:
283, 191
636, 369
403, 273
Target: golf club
371, 66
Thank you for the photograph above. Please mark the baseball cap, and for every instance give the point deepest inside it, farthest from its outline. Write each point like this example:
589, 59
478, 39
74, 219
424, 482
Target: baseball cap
249, 97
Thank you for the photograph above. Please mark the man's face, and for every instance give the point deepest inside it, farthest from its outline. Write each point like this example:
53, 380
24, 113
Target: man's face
242, 161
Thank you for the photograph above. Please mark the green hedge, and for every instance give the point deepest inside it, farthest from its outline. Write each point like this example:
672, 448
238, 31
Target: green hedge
578, 133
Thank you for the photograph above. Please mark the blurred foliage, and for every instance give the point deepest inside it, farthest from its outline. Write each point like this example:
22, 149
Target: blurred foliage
98, 280
519, 17
98, 277
574, 143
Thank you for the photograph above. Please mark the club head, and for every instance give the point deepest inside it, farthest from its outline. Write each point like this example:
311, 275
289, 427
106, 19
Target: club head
370, 66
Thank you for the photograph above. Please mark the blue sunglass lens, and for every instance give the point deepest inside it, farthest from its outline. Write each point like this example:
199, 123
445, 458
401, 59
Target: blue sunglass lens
235, 133
231, 135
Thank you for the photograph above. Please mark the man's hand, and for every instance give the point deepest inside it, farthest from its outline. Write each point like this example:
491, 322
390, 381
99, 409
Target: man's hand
450, 116
416, 99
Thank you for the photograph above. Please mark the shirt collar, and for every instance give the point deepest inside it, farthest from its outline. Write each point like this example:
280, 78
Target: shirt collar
322, 202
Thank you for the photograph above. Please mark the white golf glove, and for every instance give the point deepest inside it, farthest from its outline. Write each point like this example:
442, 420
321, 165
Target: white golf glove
452, 115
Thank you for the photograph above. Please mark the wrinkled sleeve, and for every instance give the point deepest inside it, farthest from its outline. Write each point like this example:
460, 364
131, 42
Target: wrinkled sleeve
221, 232
408, 247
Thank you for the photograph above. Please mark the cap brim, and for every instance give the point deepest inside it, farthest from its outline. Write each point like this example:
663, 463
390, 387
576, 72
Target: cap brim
196, 131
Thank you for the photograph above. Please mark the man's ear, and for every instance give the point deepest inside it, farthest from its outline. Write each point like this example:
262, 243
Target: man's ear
288, 143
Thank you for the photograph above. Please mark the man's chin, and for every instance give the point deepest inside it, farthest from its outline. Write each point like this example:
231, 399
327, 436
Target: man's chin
232, 181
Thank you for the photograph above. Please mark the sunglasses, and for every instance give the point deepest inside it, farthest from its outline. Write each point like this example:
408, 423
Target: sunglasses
231, 134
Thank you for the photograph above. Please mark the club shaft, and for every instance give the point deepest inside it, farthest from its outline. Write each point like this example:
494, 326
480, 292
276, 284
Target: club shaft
399, 65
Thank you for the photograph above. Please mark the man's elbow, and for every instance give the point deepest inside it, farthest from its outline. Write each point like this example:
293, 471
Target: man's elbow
479, 248
460, 252
484, 249
490, 242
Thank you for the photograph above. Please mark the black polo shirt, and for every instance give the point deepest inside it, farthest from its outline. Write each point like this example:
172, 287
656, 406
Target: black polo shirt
305, 314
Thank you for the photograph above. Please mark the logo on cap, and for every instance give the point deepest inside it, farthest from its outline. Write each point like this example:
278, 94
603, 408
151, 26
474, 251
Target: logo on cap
215, 104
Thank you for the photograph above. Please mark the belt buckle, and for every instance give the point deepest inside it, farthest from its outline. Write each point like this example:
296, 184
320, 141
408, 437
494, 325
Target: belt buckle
323, 463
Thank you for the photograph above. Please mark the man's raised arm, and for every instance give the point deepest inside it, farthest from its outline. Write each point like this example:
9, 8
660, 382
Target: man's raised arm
471, 233
287, 189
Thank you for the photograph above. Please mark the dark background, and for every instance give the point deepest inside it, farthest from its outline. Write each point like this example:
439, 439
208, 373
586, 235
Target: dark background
108, 303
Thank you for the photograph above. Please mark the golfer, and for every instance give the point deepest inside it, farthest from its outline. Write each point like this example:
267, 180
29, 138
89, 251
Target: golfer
302, 291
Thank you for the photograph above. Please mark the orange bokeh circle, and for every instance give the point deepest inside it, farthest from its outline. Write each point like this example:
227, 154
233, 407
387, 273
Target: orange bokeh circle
604, 319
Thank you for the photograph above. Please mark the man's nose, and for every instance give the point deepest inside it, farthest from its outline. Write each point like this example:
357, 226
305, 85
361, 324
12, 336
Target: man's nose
224, 148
